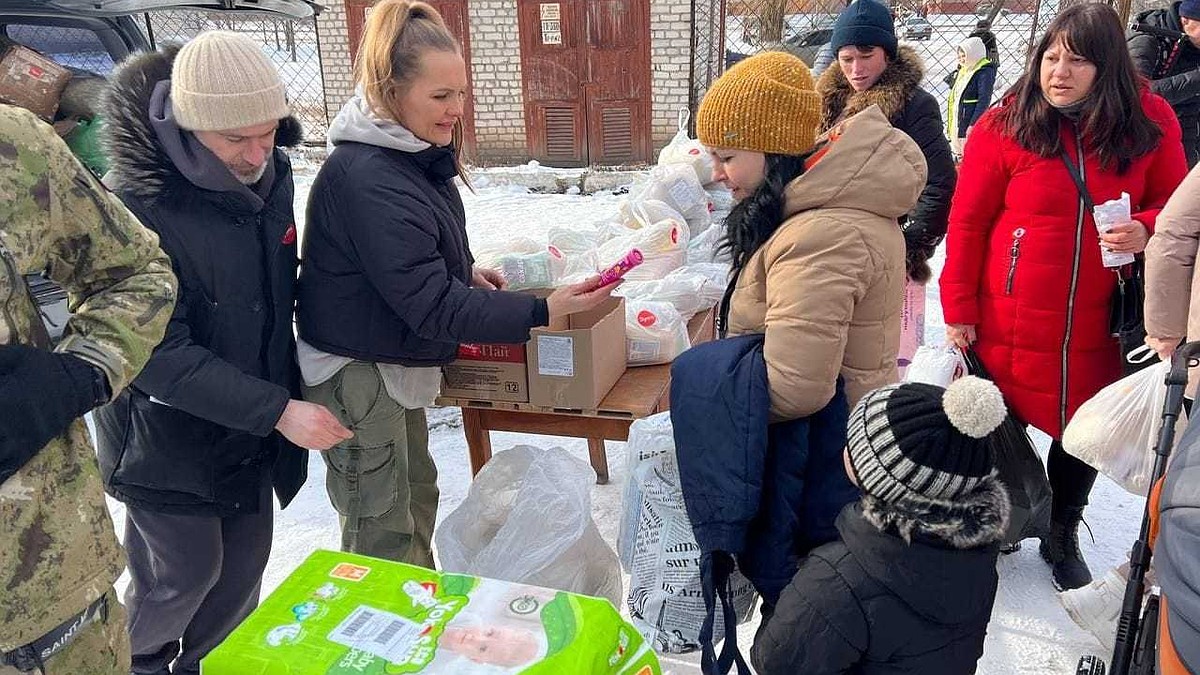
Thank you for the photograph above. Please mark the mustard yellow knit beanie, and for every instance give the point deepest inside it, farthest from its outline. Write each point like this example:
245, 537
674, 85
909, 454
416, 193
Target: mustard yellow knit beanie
765, 103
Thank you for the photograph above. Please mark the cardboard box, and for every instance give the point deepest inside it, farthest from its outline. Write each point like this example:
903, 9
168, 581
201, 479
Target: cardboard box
487, 372
575, 361
32, 81
346, 614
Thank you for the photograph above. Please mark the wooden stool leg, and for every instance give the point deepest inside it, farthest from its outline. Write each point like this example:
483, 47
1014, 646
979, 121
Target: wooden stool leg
599, 459
479, 440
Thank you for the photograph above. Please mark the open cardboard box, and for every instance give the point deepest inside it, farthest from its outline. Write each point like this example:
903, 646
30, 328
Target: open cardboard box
576, 360
487, 372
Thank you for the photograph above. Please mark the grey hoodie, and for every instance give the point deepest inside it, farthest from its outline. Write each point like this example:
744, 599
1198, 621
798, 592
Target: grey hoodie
196, 162
357, 123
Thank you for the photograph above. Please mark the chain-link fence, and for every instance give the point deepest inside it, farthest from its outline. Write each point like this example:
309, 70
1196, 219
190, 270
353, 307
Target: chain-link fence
291, 44
729, 30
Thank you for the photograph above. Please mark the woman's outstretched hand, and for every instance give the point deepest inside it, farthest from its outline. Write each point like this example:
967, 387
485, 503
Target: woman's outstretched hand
580, 297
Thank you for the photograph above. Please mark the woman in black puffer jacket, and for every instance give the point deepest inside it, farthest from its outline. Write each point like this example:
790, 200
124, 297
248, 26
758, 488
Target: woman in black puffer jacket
388, 287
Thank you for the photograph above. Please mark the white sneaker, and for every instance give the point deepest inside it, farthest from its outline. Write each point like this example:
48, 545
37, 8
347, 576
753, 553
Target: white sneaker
1096, 607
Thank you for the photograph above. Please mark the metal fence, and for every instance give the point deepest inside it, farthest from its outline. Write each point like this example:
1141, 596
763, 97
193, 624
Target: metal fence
292, 45
728, 30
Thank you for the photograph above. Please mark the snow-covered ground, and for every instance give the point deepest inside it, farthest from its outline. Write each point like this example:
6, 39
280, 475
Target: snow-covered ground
1029, 633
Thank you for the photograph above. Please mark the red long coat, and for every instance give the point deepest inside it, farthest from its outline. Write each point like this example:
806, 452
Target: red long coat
1026, 271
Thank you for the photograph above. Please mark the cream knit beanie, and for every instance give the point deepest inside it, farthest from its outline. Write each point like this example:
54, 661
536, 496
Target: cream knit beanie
222, 80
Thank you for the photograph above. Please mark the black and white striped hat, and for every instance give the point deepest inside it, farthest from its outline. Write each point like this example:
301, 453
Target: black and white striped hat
923, 441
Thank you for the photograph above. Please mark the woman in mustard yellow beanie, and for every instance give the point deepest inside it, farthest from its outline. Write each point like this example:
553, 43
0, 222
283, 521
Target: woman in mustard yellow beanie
817, 253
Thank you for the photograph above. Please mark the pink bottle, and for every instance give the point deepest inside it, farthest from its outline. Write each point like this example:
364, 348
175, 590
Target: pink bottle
618, 270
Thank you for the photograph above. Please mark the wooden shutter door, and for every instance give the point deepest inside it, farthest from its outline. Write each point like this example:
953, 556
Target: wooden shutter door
551, 63
618, 80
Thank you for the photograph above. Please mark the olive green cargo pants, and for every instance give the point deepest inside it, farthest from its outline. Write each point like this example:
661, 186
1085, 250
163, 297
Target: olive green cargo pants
382, 482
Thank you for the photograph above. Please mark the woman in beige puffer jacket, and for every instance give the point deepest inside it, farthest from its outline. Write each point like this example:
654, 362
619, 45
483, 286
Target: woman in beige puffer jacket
817, 251
1172, 277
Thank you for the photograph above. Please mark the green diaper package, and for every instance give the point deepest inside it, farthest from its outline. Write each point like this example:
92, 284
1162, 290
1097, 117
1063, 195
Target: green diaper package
346, 614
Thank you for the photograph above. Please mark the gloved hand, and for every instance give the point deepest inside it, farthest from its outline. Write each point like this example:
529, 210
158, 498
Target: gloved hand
41, 393
918, 249
917, 262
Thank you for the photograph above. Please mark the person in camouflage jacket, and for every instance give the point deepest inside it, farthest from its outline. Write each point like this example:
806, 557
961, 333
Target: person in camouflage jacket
59, 556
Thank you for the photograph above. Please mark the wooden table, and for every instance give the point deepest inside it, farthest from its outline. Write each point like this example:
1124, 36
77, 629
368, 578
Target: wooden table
640, 392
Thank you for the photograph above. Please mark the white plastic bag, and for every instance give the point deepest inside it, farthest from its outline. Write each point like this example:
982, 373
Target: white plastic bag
572, 240
655, 332
690, 289
658, 549
663, 246
703, 248
686, 150
936, 364
1115, 431
503, 529
676, 186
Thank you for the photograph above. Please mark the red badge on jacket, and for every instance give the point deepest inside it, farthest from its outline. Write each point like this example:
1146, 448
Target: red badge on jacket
289, 237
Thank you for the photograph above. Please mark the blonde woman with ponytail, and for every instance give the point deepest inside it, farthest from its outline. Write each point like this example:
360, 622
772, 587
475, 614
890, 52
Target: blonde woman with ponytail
388, 287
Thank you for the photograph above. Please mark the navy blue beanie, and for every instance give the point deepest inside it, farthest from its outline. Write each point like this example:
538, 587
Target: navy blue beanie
868, 23
1190, 9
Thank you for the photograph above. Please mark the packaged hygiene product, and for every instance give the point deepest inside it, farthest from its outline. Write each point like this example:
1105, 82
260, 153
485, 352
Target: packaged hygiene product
345, 614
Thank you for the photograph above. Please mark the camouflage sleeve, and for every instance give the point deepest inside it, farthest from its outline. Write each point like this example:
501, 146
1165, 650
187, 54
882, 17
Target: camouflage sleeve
56, 215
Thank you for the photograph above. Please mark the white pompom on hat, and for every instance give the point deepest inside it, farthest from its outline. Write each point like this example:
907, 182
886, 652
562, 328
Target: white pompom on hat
920, 441
222, 80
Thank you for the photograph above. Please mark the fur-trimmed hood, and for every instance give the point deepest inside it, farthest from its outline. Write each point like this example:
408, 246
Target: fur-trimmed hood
137, 158
936, 556
978, 519
891, 92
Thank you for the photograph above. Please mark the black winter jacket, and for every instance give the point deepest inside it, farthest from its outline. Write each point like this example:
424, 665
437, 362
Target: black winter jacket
194, 434
914, 111
387, 267
873, 604
1174, 68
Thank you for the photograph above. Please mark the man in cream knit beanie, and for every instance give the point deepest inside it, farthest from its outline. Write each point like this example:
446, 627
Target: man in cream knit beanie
222, 80
228, 93
215, 423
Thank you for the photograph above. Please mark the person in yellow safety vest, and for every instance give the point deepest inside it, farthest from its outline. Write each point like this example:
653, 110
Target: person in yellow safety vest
971, 86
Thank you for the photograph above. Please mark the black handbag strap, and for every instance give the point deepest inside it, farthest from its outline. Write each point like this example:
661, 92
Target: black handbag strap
1077, 176
723, 311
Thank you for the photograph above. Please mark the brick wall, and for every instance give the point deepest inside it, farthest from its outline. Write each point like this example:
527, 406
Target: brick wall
336, 67
670, 66
496, 78
496, 72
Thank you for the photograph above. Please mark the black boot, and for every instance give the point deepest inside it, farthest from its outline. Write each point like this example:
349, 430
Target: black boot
1061, 550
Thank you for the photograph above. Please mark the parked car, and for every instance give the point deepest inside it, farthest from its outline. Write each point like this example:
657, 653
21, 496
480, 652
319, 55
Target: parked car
917, 28
91, 36
804, 44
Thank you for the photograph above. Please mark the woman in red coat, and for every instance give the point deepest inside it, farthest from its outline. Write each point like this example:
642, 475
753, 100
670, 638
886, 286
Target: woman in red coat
1023, 280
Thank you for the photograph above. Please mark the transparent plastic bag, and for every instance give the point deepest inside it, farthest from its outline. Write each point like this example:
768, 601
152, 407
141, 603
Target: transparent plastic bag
501, 530
1115, 431
686, 150
936, 364
658, 549
655, 332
